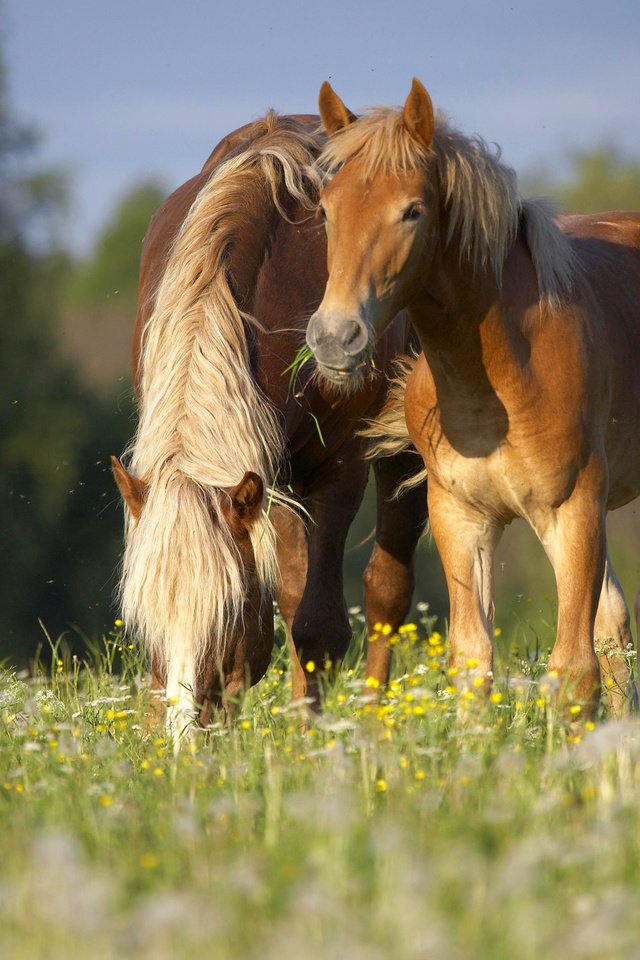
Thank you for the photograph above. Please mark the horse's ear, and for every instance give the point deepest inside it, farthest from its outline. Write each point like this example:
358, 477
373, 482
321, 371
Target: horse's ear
333, 113
133, 490
418, 114
246, 499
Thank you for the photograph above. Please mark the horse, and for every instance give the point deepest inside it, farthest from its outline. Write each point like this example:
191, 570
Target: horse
525, 400
227, 445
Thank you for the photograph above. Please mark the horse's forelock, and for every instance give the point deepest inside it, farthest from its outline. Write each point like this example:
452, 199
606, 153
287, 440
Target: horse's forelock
478, 191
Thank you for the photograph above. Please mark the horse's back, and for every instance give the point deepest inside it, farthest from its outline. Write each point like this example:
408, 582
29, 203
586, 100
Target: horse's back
166, 222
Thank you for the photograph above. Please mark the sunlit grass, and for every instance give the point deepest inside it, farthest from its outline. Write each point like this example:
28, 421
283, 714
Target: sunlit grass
422, 821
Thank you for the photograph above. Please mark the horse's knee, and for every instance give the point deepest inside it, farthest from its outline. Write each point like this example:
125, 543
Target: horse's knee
388, 588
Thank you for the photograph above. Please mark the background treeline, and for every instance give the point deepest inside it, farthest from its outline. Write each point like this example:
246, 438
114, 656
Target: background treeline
65, 328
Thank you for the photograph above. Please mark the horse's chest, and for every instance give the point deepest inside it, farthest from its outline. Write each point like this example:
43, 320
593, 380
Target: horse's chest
498, 464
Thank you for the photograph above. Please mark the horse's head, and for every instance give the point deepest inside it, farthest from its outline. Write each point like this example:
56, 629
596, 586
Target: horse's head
224, 663
381, 219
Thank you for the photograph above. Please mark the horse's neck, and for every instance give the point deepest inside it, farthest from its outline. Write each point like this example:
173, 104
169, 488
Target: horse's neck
251, 244
470, 329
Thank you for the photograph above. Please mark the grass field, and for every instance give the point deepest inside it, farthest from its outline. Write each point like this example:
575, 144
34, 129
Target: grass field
430, 825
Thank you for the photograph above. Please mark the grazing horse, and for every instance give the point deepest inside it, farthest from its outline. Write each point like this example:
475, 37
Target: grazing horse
525, 401
232, 266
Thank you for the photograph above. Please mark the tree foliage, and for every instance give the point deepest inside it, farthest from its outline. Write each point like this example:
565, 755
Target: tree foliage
112, 269
55, 437
602, 178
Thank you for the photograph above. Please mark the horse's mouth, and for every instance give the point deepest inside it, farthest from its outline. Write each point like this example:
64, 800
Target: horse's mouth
343, 375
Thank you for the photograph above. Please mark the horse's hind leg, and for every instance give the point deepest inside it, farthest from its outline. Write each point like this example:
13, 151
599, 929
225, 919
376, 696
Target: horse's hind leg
389, 577
292, 578
613, 641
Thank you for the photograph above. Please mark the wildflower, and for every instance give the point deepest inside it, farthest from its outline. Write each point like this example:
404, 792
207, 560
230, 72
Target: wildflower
420, 775
495, 697
245, 725
575, 709
148, 861
452, 671
381, 785
309, 666
117, 622
372, 682
497, 631
472, 663
408, 628
158, 772
106, 800
478, 681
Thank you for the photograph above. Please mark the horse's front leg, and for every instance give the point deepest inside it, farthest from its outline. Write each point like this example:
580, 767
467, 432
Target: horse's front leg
390, 576
575, 541
321, 630
466, 541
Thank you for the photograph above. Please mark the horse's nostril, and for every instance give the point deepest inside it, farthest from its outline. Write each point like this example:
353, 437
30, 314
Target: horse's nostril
355, 337
352, 333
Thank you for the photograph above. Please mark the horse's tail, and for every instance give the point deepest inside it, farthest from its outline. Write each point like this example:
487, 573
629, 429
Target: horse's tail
388, 431
203, 422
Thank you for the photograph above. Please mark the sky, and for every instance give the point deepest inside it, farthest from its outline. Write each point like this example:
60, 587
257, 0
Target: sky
123, 90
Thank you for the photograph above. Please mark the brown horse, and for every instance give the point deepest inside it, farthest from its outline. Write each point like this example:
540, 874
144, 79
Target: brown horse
232, 266
526, 399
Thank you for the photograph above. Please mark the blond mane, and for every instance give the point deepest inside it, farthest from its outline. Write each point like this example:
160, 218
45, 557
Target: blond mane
203, 422
478, 191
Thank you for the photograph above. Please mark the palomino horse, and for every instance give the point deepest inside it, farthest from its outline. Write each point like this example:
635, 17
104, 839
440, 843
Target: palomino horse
526, 399
232, 266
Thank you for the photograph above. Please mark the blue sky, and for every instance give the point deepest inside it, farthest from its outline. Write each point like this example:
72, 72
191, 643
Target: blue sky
123, 90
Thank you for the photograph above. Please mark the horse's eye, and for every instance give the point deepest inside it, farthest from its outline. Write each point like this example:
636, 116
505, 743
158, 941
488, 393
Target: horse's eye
413, 212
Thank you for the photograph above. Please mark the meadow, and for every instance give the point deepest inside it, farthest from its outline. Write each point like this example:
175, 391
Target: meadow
432, 823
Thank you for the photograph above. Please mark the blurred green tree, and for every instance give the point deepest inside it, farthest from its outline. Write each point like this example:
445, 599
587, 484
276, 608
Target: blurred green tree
96, 322
112, 269
60, 545
602, 178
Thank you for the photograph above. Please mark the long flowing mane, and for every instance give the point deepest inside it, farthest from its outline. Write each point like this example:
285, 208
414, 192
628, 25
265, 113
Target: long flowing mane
203, 421
479, 192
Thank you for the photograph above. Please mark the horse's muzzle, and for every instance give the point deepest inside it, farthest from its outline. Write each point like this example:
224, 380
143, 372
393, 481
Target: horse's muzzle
339, 345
